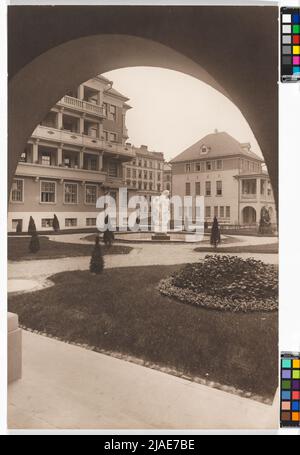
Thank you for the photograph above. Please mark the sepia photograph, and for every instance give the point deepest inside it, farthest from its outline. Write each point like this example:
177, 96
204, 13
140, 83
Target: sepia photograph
142, 217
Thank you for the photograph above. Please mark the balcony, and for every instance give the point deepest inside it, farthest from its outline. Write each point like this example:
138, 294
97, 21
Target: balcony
82, 106
81, 140
248, 196
61, 173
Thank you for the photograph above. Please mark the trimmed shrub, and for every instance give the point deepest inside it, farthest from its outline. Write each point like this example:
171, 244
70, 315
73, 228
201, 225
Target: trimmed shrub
31, 226
97, 263
34, 244
215, 236
56, 227
226, 283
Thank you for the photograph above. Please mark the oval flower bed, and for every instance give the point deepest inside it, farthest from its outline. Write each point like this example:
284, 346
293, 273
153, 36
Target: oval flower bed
225, 283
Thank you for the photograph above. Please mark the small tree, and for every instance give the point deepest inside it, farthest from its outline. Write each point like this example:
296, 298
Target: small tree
97, 263
215, 236
34, 244
55, 224
31, 226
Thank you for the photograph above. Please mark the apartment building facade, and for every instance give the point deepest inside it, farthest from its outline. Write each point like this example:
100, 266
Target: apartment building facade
76, 154
167, 177
232, 179
144, 174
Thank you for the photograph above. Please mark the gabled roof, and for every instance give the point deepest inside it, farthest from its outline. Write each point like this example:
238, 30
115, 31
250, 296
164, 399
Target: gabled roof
219, 144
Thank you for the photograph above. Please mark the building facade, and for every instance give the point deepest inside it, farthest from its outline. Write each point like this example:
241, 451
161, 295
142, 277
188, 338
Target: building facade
168, 177
76, 154
232, 179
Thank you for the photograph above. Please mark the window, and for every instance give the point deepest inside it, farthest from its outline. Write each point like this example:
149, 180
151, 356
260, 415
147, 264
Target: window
17, 225
46, 159
150, 175
90, 221
140, 174
249, 187
198, 167
140, 163
17, 192
219, 188
197, 187
150, 163
67, 161
134, 183
134, 173
187, 189
70, 193
222, 211
113, 169
128, 172
128, 183
140, 185
207, 188
23, 157
112, 114
145, 174
204, 150
158, 187
47, 222
70, 222
48, 192
112, 137
150, 186
145, 185
168, 186
90, 194
207, 212
262, 187
208, 166
216, 211
105, 109
219, 165
145, 163
187, 167
158, 176
227, 211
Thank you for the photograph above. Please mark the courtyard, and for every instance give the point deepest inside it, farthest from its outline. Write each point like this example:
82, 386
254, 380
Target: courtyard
120, 313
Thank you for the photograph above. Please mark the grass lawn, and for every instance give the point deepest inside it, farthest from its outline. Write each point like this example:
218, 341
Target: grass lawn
270, 248
17, 249
122, 311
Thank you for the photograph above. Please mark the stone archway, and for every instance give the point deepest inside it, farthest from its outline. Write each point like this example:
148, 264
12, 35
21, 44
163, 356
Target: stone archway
249, 215
42, 62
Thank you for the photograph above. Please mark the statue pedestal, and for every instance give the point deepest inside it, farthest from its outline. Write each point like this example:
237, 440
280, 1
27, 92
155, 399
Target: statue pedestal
160, 236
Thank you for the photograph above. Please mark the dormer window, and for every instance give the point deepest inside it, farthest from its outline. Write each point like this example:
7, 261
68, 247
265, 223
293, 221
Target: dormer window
204, 150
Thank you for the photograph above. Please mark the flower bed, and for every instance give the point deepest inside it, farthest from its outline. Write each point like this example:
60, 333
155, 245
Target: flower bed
225, 283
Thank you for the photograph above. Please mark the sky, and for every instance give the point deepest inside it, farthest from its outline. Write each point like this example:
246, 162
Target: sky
171, 110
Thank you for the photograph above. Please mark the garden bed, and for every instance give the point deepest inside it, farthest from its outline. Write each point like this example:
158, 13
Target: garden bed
17, 249
226, 283
121, 311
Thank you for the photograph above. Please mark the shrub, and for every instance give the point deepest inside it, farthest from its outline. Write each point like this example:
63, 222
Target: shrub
31, 226
34, 244
225, 282
97, 263
55, 224
215, 236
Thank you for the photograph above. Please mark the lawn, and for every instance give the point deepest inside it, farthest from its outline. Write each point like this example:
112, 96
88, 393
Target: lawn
269, 248
122, 311
17, 249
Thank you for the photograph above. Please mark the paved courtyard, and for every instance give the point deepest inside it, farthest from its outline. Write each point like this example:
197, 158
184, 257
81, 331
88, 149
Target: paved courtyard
65, 386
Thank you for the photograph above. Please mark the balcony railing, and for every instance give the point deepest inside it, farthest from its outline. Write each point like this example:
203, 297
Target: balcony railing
81, 140
248, 195
82, 105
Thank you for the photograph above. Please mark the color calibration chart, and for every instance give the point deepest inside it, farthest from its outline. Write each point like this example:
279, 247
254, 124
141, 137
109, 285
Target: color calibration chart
290, 44
290, 390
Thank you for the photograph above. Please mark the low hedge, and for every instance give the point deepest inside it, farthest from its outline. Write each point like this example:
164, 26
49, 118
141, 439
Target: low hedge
225, 283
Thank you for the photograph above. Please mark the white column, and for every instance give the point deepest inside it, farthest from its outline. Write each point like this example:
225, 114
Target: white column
81, 159
35, 152
258, 189
100, 162
60, 119
81, 124
99, 98
59, 155
80, 92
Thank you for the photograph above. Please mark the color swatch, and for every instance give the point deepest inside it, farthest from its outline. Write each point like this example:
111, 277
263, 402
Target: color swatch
290, 44
290, 390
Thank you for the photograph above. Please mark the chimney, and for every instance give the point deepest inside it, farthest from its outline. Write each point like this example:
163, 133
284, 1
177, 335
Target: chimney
144, 147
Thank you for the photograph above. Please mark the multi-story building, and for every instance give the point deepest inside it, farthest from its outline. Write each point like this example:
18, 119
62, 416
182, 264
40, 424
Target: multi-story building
144, 173
76, 154
232, 179
168, 177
